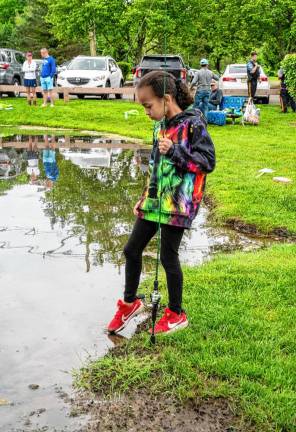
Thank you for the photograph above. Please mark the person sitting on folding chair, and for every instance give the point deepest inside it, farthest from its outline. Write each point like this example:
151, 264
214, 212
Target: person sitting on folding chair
215, 97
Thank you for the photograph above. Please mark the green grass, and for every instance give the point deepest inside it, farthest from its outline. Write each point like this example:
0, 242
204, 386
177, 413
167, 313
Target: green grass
240, 343
241, 152
96, 115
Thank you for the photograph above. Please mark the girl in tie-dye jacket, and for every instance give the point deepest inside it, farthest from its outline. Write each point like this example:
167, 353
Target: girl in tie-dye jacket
182, 155
179, 176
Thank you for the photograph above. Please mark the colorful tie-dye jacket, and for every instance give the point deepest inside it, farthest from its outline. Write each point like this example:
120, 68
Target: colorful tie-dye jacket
179, 176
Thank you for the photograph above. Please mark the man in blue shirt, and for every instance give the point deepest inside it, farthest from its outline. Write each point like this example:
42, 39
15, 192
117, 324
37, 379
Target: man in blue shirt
48, 70
253, 72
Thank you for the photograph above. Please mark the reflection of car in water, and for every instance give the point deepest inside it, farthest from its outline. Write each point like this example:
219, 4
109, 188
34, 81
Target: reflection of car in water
90, 159
11, 164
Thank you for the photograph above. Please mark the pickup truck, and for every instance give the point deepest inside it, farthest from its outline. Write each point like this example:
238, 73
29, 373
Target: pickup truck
173, 64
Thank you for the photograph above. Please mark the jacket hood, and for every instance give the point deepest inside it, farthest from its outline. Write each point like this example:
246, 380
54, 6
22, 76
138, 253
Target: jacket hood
185, 115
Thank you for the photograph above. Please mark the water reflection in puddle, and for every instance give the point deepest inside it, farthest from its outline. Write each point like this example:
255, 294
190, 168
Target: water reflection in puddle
61, 267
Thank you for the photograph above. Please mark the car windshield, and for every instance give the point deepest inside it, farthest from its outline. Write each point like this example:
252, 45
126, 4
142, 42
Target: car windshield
161, 62
88, 64
238, 69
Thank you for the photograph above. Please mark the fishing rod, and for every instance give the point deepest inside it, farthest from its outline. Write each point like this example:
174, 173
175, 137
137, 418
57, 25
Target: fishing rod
155, 295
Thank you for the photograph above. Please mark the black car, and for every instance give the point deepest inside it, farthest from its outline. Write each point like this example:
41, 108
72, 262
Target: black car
171, 63
11, 63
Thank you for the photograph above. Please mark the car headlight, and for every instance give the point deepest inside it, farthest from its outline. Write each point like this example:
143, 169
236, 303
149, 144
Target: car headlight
62, 77
100, 78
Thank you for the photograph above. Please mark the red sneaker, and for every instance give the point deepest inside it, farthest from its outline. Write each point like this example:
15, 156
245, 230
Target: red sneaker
124, 314
170, 322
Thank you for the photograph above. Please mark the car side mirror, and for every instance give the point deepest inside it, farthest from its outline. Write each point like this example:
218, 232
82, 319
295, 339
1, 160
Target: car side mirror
113, 69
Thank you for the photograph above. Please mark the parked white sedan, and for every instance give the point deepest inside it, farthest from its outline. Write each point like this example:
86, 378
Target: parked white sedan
86, 72
235, 78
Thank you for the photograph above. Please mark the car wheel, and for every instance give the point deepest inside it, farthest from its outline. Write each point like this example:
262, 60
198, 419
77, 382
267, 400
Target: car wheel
39, 95
119, 96
61, 95
265, 101
81, 96
106, 96
16, 93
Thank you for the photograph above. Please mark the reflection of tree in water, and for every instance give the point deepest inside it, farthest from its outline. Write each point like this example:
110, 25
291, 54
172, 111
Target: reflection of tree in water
99, 204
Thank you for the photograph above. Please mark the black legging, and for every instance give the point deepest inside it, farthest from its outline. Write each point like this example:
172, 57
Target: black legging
171, 237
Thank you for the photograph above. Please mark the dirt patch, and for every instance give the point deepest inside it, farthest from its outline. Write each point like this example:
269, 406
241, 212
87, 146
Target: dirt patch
251, 230
280, 233
142, 411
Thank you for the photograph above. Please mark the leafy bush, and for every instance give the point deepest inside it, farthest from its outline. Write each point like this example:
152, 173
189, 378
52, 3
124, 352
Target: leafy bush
289, 66
125, 67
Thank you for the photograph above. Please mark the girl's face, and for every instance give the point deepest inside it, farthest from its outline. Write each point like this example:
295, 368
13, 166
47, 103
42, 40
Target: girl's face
29, 57
154, 106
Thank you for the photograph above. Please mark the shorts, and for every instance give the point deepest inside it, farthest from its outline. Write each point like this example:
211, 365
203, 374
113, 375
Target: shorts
49, 155
30, 83
46, 83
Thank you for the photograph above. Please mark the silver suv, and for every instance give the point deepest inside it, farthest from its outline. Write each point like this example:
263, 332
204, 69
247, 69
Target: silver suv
11, 62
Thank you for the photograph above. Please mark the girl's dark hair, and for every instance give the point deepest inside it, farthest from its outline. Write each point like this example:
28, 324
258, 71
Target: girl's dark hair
163, 83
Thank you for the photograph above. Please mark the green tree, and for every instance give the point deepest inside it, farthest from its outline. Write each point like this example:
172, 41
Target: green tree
289, 66
9, 10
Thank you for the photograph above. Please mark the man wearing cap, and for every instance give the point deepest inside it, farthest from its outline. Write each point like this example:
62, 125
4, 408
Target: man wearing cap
215, 97
202, 80
253, 71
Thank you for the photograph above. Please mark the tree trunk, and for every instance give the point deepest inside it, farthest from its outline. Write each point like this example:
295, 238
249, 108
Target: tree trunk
92, 42
218, 64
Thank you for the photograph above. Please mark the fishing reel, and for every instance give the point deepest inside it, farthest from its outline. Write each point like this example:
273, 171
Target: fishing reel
155, 298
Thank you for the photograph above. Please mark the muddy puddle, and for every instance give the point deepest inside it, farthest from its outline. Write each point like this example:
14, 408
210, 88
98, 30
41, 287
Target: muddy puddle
63, 223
